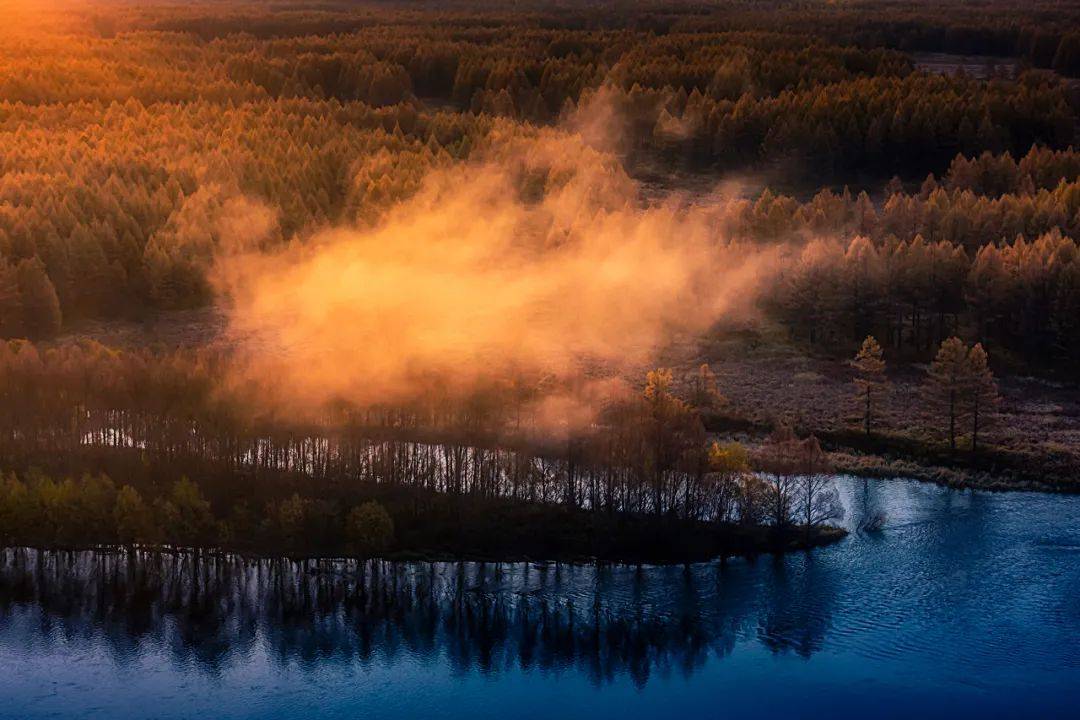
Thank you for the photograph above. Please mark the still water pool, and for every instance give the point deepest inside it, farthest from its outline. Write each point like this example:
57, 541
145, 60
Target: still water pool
961, 604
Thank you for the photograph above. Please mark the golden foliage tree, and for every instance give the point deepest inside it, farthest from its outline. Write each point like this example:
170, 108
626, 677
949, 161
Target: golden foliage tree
870, 382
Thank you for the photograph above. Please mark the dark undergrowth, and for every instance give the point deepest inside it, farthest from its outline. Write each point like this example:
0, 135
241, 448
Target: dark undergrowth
290, 515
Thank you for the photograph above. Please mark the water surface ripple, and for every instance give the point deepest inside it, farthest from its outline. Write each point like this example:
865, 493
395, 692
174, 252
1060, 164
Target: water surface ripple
962, 603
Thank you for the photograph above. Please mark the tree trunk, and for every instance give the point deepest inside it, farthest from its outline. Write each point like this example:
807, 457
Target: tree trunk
975, 424
952, 421
868, 410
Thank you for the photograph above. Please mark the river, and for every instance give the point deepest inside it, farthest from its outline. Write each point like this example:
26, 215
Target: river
960, 603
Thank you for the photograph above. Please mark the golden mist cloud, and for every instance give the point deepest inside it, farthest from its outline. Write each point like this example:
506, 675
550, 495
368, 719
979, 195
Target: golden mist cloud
536, 258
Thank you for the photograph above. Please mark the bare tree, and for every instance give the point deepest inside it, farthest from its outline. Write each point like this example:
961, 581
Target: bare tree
819, 501
779, 471
671, 425
728, 468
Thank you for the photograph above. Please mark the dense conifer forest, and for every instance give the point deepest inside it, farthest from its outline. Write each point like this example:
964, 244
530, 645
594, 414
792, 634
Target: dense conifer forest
914, 233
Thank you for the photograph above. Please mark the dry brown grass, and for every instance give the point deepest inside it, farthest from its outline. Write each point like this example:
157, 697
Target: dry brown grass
767, 381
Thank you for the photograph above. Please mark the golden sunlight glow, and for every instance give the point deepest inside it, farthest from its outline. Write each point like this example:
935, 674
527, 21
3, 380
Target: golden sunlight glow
471, 279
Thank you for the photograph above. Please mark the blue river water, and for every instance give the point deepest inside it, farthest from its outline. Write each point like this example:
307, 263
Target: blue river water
941, 603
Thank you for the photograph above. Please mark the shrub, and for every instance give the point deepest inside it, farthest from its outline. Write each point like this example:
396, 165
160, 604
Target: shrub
369, 529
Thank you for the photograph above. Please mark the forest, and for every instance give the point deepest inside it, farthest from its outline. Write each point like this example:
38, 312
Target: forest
792, 176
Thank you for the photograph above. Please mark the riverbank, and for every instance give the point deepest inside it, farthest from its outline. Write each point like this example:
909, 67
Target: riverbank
1033, 442
894, 456
748, 545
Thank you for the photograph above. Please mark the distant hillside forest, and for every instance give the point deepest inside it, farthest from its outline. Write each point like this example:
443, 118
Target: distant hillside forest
949, 205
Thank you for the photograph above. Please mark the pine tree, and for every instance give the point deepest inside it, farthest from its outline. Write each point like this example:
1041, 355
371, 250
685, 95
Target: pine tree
870, 380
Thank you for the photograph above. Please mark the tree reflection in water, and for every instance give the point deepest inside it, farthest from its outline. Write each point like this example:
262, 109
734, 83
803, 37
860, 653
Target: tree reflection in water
213, 610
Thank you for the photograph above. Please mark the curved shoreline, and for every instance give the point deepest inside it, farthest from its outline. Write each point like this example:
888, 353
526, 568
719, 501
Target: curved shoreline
747, 543
642, 541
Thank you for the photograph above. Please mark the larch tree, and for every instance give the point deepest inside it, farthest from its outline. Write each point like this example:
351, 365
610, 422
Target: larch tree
981, 392
947, 384
870, 382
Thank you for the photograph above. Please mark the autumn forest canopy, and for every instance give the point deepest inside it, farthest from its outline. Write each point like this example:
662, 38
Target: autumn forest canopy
430, 250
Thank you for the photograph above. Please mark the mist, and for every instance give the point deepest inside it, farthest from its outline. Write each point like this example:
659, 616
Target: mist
538, 258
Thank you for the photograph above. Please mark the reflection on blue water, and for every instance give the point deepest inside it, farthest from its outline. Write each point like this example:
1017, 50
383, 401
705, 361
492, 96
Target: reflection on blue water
941, 602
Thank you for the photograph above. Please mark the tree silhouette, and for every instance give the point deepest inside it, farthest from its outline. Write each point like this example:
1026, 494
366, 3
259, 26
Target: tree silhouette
818, 497
134, 518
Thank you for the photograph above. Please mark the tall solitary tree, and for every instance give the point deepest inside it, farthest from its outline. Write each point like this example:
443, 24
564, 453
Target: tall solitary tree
870, 382
947, 383
981, 392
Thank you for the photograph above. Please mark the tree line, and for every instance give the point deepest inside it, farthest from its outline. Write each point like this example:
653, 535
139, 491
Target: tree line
647, 454
124, 206
92, 511
1020, 298
1042, 32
